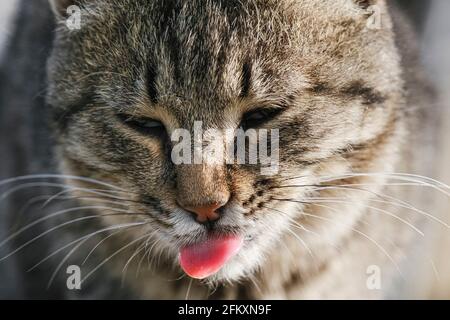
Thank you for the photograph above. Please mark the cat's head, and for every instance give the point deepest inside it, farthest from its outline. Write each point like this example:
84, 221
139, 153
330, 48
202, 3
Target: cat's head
123, 80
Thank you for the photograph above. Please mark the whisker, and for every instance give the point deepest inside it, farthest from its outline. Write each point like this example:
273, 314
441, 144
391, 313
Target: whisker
404, 184
383, 250
300, 226
146, 253
288, 217
59, 226
302, 242
321, 200
406, 205
63, 192
52, 215
378, 210
125, 268
52, 278
417, 180
39, 198
435, 184
177, 279
67, 188
112, 256
59, 176
10, 191
435, 270
32, 201
394, 201
98, 245
24, 209
397, 175
115, 227
101, 194
363, 235
188, 289
280, 240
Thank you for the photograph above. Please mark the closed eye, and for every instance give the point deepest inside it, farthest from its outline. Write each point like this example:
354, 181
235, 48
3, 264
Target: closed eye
259, 117
146, 126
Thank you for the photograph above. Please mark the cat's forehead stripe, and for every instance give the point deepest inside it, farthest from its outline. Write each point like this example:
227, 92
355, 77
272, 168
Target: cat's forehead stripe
356, 90
359, 89
246, 78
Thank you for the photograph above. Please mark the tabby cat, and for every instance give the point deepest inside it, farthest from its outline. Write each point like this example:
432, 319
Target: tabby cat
332, 76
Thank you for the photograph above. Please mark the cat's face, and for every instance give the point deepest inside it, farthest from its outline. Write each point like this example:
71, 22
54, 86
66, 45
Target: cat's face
134, 73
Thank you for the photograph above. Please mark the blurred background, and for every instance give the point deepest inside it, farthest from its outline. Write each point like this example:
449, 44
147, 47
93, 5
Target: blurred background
434, 28
431, 19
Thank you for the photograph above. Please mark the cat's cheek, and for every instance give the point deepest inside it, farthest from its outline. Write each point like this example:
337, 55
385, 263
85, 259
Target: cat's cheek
244, 264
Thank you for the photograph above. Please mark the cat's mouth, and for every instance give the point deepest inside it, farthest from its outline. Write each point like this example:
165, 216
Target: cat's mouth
203, 259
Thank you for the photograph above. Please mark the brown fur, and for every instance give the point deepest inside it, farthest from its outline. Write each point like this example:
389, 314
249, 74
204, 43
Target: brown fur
341, 85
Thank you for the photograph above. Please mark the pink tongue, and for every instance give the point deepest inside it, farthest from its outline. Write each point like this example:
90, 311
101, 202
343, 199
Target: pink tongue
203, 259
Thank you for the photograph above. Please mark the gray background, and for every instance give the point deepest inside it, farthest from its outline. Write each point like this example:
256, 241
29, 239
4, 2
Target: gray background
7, 8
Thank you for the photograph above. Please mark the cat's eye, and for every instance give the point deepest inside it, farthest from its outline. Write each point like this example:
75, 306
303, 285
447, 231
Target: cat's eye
256, 118
143, 125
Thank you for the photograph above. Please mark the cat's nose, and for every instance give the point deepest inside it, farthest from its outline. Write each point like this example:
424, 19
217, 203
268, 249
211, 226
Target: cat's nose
206, 213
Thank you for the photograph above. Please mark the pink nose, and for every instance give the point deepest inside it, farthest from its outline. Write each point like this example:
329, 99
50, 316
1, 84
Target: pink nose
206, 213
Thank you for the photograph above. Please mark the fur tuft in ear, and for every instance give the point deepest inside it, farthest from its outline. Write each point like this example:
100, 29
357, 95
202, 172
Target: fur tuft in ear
59, 7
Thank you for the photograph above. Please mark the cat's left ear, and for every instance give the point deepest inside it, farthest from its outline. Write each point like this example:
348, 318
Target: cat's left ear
375, 12
59, 7
365, 4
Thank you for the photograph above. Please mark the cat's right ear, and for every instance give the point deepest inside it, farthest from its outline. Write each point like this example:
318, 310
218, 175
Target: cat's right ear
59, 7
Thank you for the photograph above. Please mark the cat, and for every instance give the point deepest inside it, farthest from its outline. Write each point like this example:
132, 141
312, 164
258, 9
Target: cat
333, 77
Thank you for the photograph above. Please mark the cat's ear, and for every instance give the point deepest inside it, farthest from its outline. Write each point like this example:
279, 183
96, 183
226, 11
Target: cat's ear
59, 7
365, 4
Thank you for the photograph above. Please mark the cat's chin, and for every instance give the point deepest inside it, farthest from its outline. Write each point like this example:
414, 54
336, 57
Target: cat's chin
240, 266
254, 253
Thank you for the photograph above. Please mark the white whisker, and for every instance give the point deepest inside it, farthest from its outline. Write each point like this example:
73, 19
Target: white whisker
112, 256
115, 227
55, 214
57, 227
324, 200
136, 252
363, 235
58, 176
188, 289
82, 241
